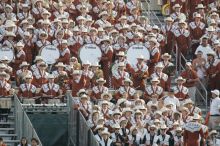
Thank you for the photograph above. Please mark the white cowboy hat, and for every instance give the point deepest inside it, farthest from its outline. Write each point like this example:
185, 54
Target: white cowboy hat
47, 22
210, 29
163, 126
116, 126
127, 109
3, 73
188, 101
120, 101
25, 21
8, 6
105, 102
10, 34
154, 40
103, 13
166, 55
197, 15
60, 64
141, 57
80, 18
122, 18
100, 80
76, 72
106, 38
76, 29
116, 112
106, 93
105, 132
200, 6
81, 91
179, 129
37, 58
99, 127
159, 65
180, 79
100, 29
121, 53
86, 63
169, 19
156, 27
84, 96
155, 80
123, 37
196, 117
24, 63
182, 22
50, 76
28, 76
95, 64
43, 64
20, 44
64, 42
188, 63
211, 53
4, 58
2, 66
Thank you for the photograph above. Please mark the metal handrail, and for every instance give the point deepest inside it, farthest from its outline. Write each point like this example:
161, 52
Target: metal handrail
24, 127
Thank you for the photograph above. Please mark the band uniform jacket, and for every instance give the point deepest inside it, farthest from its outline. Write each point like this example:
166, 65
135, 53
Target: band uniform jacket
197, 30
181, 92
212, 71
50, 89
40, 78
118, 77
75, 43
163, 140
150, 90
192, 134
97, 91
106, 143
4, 88
64, 56
27, 90
154, 59
163, 80
19, 58
139, 74
76, 85
182, 37
129, 90
189, 74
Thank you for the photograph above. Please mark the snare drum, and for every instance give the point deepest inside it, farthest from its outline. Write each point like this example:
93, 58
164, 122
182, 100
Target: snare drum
28, 101
53, 101
4, 51
135, 51
5, 103
50, 54
90, 52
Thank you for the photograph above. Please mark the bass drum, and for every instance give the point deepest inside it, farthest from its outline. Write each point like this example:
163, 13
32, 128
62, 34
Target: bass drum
49, 54
90, 52
8, 52
135, 51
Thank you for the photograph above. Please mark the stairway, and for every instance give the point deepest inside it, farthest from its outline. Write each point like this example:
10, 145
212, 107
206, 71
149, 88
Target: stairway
7, 129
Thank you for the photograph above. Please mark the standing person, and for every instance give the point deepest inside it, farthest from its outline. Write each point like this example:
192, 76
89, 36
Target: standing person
167, 31
24, 142
182, 38
106, 59
197, 30
191, 79
214, 109
106, 141
193, 132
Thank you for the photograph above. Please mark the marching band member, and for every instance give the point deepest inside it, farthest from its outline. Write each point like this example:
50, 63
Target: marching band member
119, 75
191, 79
59, 71
163, 138
154, 54
180, 91
22, 72
85, 106
78, 82
42, 42
178, 138
107, 97
93, 119
75, 42
212, 71
177, 13
106, 59
106, 140
140, 73
168, 30
25, 13
5, 88
191, 107
197, 30
40, 75
121, 58
64, 53
98, 90
60, 11
161, 76
105, 110
50, 91
20, 56
125, 88
57, 42
87, 73
37, 9
193, 132
152, 136
103, 21
37, 61
98, 130
152, 89
98, 73
27, 90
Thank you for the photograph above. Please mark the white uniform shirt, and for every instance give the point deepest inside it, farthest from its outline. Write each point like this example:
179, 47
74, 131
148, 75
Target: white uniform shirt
214, 107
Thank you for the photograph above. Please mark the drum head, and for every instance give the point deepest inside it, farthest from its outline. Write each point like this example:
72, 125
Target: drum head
49, 54
7, 52
90, 52
135, 51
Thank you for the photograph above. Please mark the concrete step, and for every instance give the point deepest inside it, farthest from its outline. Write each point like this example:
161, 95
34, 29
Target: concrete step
7, 129
7, 123
11, 142
8, 135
